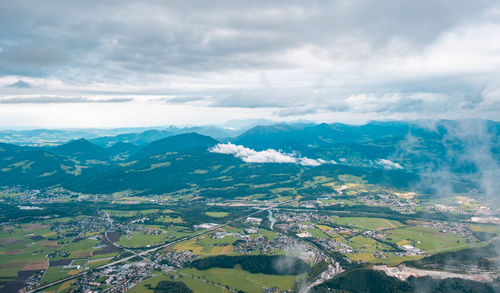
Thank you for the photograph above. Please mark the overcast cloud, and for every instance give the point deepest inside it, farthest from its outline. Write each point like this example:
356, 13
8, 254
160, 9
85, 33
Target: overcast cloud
348, 61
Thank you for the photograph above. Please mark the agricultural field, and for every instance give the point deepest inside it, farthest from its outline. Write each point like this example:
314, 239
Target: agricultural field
24, 247
374, 224
142, 239
204, 245
318, 233
365, 244
198, 286
131, 213
55, 273
243, 280
428, 239
216, 214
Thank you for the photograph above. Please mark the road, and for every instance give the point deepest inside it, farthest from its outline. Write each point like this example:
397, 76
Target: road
110, 221
142, 254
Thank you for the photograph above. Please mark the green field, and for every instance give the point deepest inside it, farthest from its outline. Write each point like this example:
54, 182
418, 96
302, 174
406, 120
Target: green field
317, 233
365, 223
197, 286
204, 245
364, 244
133, 213
428, 239
95, 264
147, 237
17, 250
269, 234
216, 214
141, 239
243, 280
352, 179
53, 274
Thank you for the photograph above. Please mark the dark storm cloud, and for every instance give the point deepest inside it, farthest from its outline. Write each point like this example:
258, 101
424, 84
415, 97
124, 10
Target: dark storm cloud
59, 100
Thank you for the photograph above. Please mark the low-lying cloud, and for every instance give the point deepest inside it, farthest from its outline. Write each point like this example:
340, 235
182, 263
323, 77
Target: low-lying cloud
249, 155
60, 100
387, 164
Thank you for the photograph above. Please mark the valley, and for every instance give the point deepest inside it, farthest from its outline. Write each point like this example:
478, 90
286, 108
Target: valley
78, 217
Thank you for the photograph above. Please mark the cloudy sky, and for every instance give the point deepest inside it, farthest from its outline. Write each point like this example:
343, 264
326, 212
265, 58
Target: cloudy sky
142, 63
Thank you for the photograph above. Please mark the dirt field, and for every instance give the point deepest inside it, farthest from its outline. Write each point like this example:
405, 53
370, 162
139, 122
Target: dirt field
13, 264
33, 227
36, 265
7, 240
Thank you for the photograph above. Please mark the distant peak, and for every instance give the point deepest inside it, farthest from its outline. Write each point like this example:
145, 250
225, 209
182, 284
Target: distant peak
79, 141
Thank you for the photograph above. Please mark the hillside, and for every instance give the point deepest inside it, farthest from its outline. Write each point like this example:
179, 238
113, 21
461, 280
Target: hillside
80, 150
176, 143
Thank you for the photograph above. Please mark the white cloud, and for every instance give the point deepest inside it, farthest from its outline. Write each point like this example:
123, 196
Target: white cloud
268, 156
387, 164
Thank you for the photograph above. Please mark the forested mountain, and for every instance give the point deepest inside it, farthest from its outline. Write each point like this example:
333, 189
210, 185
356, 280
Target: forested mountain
392, 153
176, 143
80, 150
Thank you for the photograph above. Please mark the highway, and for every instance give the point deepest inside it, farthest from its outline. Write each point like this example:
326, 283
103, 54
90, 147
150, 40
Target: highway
143, 253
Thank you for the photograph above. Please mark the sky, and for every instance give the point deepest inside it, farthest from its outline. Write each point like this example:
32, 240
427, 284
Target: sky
144, 63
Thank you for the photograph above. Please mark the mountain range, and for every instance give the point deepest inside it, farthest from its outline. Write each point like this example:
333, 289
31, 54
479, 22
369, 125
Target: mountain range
391, 153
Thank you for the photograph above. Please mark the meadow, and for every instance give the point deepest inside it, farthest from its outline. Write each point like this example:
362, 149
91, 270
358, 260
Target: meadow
365, 223
242, 280
194, 284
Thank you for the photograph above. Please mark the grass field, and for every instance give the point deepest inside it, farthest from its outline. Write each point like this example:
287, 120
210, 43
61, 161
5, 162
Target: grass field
392, 260
9, 270
95, 264
242, 280
362, 256
53, 274
364, 244
216, 214
428, 239
268, 233
490, 228
352, 179
61, 288
18, 251
207, 245
141, 239
377, 224
196, 285
122, 213
317, 233
189, 245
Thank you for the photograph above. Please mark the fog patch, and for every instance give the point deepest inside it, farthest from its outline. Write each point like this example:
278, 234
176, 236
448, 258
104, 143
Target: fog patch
285, 264
477, 142
387, 164
463, 156
293, 261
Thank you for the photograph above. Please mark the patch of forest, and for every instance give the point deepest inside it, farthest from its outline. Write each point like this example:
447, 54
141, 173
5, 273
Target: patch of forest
171, 287
370, 281
265, 264
463, 260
